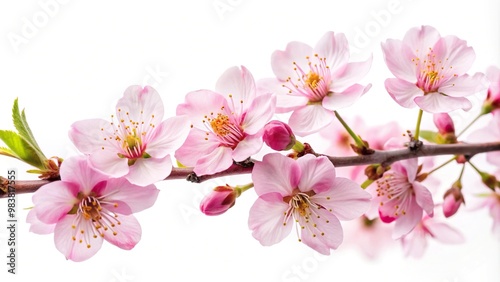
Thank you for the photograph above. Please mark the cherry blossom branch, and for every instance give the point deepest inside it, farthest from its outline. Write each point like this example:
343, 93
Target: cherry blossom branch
378, 157
387, 157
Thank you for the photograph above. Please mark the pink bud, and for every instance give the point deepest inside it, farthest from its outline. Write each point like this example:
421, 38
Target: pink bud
453, 199
444, 123
493, 99
278, 136
219, 200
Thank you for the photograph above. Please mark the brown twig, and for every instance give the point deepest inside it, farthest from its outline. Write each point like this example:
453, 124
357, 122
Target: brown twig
378, 157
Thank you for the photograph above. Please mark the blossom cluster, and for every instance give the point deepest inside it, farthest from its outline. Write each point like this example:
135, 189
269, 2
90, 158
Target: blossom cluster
124, 156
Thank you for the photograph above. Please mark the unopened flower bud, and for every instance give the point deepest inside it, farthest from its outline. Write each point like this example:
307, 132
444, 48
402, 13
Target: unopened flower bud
375, 171
444, 123
219, 200
489, 180
453, 199
461, 159
492, 101
278, 136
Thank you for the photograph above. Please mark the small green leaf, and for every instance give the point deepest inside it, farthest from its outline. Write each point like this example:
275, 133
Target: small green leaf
24, 130
431, 136
20, 149
8, 152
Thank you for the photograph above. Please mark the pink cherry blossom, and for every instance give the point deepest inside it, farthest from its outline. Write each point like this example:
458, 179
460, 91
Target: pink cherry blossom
278, 136
401, 198
136, 143
444, 123
86, 206
452, 200
314, 82
431, 70
340, 141
227, 124
493, 98
371, 236
415, 242
218, 201
305, 191
479, 196
489, 133
493, 204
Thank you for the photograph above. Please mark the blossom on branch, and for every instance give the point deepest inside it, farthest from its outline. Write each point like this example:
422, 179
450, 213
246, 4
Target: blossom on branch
314, 82
415, 242
376, 136
278, 136
218, 201
305, 191
401, 197
492, 202
492, 101
227, 124
489, 133
370, 236
431, 70
136, 143
86, 206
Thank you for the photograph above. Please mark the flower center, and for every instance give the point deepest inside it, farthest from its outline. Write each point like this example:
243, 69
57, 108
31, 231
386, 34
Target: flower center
396, 193
305, 213
311, 82
301, 204
130, 136
225, 127
431, 71
221, 125
92, 219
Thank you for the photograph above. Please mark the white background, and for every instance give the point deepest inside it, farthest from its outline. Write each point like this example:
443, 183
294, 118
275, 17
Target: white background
79, 56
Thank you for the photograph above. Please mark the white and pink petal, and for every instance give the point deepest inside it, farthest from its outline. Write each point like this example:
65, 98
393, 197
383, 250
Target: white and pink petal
146, 171
140, 103
238, 85
54, 200
247, 147
259, 113
334, 48
76, 248
317, 174
198, 143
136, 197
310, 119
403, 92
322, 232
346, 199
439, 103
168, 136
268, 220
337, 100
282, 62
217, 160
276, 174
126, 234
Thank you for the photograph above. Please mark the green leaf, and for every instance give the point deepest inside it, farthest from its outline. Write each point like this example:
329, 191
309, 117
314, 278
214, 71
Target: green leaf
24, 130
8, 152
431, 136
20, 149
